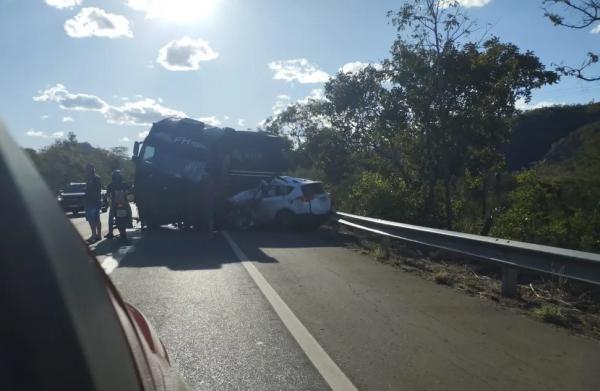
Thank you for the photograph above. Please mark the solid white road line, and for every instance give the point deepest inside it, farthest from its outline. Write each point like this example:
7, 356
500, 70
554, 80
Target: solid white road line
332, 374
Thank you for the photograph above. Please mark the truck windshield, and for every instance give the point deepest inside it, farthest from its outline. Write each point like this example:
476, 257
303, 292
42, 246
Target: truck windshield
179, 166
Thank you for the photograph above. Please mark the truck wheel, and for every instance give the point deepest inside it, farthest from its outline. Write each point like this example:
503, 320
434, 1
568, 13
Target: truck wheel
285, 219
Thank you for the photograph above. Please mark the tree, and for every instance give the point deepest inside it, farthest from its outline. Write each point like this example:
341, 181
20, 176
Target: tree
65, 160
461, 94
436, 112
587, 12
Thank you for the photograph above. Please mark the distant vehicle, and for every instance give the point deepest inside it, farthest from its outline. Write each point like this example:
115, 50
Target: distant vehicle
71, 198
185, 166
286, 202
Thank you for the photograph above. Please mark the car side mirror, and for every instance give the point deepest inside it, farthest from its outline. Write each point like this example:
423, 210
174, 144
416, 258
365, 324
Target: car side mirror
136, 149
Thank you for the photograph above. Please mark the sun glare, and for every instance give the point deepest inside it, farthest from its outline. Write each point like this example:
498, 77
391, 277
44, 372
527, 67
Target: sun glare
176, 10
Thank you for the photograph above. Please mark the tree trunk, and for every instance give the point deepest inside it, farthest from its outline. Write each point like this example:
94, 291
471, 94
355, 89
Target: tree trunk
484, 191
449, 217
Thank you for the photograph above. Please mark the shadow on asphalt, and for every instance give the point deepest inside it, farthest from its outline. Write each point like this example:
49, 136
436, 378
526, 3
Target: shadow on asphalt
190, 250
176, 250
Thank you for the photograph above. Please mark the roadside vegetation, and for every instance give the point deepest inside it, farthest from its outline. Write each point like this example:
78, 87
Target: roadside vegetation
64, 161
432, 136
569, 304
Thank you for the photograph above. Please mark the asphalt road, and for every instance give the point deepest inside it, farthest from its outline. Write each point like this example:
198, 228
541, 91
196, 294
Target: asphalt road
299, 311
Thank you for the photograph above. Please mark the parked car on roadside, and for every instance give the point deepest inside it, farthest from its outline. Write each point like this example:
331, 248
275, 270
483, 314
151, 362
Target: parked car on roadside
287, 202
71, 198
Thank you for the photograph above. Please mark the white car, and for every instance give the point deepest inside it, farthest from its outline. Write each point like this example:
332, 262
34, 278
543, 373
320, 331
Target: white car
288, 202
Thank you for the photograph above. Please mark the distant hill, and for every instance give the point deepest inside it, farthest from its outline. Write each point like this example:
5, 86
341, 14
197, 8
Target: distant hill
576, 156
536, 131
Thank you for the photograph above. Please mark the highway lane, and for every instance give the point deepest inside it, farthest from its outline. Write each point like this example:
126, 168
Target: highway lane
385, 329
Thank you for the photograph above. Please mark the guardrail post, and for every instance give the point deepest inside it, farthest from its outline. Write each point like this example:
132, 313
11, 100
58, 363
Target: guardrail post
510, 276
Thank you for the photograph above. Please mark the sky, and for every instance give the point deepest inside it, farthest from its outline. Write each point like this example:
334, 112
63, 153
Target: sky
106, 70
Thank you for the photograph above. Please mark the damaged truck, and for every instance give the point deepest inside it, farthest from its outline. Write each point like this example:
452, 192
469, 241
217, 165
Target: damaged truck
186, 170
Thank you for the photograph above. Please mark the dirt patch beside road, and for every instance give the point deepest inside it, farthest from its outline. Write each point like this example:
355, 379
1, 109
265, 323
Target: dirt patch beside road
570, 304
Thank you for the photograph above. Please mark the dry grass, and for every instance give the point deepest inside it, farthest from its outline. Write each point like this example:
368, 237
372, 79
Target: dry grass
443, 278
381, 252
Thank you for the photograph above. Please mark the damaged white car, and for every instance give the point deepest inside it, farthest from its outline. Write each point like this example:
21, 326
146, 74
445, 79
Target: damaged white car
286, 202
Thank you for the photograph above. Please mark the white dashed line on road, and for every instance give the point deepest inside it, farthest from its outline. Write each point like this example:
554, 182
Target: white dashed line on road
331, 373
111, 262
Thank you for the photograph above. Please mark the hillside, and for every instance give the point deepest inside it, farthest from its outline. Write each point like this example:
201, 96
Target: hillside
557, 201
535, 131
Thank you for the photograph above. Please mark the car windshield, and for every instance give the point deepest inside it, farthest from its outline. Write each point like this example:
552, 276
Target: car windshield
75, 188
322, 194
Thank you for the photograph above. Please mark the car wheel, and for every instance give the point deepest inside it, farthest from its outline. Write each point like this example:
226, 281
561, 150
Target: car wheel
285, 219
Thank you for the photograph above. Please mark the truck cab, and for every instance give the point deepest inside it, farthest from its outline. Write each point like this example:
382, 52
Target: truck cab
185, 168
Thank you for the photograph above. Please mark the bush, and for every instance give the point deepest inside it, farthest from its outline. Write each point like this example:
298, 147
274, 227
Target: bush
376, 195
551, 314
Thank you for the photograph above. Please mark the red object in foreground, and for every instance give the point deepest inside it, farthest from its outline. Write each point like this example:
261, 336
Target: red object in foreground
64, 325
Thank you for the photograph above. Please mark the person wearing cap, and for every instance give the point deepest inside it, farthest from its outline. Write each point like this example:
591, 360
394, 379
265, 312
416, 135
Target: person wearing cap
117, 183
92, 202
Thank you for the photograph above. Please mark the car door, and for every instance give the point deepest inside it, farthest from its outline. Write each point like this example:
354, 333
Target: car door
272, 202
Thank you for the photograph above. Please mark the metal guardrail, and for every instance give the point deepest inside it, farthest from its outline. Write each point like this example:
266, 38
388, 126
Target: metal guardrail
511, 254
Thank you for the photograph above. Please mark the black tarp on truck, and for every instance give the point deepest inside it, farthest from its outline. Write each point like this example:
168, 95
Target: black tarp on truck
185, 168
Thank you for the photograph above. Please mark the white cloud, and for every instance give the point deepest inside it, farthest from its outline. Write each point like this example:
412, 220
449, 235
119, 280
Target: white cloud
61, 4
299, 70
125, 140
212, 120
185, 54
225, 117
44, 117
142, 135
143, 111
282, 102
95, 22
35, 133
241, 122
70, 101
521, 105
316, 94
596, 30
261, 124
357, 66
67, 119
464, 3
40, 134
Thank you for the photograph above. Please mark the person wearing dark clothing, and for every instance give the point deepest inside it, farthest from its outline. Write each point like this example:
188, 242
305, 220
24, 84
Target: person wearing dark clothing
114, 186
92, 202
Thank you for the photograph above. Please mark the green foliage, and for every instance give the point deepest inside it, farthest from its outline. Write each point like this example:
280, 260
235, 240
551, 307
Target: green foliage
422, 138
373, 194
558, 201
551, 313
65, 160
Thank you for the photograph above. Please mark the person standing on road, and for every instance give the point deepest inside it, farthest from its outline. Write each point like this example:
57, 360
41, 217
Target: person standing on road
93, 202
116, 183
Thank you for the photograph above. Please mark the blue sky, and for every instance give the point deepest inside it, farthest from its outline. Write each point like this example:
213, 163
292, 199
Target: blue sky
106, 69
